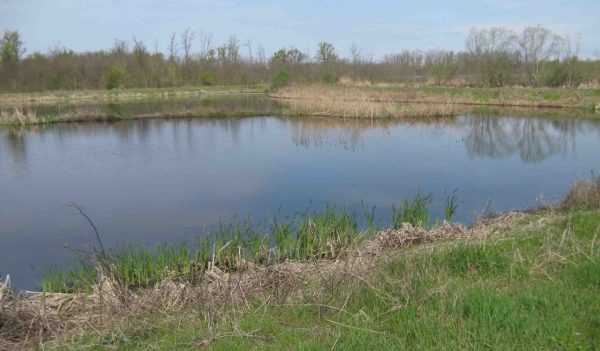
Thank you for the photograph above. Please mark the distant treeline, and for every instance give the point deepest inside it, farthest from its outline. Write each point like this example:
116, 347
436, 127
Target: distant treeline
492, 57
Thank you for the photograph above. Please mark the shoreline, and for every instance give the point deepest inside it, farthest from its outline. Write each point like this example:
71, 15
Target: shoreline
526, 249
293, 101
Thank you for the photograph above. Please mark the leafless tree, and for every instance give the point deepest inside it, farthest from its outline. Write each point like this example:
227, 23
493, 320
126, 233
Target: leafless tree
249, 46
233, 49
262, 59
537, 46
356, 55
173, 48
187, 38
205, 46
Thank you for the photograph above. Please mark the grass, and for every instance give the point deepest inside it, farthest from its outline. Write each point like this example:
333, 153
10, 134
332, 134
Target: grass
125, 95
320, 235
236, 105
518, 281
408, 101
333, 101
387, 101
527, 286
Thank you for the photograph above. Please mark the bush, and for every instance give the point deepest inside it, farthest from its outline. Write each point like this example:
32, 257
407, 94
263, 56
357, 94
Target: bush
329, 78
54, 83
207, 77
113, 77
281, 79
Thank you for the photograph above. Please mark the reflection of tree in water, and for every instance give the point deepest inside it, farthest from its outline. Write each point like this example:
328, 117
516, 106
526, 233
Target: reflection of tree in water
15, 142
534, 139
487, 137
348, 133
321, 132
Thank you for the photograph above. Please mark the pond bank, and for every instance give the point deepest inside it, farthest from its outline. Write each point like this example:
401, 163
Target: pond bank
464, 286
301, 100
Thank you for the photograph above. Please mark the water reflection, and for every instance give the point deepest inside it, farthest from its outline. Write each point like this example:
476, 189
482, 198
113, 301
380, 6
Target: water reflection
154, 180
532, 139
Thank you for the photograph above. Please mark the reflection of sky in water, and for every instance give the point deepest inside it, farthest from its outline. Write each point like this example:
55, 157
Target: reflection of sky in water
155, 180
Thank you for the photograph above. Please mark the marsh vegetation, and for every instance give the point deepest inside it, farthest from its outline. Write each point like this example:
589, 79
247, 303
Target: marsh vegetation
466, 286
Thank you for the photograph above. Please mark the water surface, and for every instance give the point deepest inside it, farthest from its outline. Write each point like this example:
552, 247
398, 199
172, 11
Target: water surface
150, 181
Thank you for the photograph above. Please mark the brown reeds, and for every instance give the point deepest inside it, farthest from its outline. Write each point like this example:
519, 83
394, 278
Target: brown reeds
356, 103
377, 101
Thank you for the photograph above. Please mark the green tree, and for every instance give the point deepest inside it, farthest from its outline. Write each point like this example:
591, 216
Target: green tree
281, 79
279, 58
326, 53
113, 77
11, 47
11, 50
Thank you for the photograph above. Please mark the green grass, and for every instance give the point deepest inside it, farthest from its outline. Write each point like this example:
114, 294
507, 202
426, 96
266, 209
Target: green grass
310, 236
529, 289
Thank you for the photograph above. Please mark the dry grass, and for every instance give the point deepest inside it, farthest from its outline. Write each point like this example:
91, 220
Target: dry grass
363, 100
356, 103
29, 319
583, 195
122, 95
18, 115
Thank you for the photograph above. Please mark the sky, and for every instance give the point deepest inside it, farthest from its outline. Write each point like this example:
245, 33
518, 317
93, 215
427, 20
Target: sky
378, 27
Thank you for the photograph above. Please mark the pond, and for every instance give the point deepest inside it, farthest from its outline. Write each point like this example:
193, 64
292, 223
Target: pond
144, 182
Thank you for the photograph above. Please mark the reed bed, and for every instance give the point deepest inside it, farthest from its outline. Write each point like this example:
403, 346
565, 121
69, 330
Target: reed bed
415, 96
18, 115
324, 235
356, 103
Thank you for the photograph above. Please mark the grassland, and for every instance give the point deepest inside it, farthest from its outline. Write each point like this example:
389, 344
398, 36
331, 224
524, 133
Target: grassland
125, 95
517, 281
302, 100
507, 96
407, 101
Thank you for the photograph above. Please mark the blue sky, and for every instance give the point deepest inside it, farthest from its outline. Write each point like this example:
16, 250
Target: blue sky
378, 27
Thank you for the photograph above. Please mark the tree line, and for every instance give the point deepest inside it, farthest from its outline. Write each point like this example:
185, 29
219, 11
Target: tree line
492, 57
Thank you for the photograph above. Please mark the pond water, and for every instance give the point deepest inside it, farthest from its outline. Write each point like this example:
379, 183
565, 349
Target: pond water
151, 181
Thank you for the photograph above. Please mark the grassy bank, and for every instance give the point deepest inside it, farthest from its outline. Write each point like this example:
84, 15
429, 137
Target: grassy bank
218, 105
125, 95
307, 100
517, 281
403, 101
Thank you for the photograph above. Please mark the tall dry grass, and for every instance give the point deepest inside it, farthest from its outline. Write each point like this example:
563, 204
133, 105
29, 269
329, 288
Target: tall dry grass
370, 101
356, 103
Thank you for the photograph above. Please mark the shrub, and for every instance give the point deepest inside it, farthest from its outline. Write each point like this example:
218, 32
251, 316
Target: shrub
281, 79
207, 77
329, 78
113, 77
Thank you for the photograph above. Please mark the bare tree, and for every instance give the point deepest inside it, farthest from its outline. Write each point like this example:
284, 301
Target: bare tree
173, 48
491, 51
537, 46
262, 59
187, 38
119, 48
140, 55
233, 49
249, 46
356, 55
205, 46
